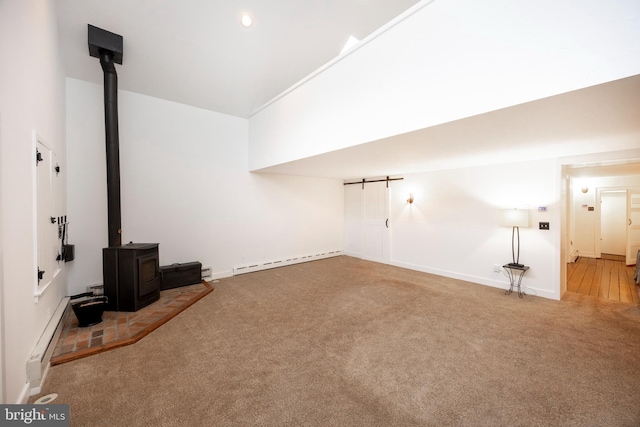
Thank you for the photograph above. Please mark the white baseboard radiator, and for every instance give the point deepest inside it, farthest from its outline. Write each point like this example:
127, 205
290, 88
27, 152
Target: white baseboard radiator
38, 363
574, 255
250, 268
206, 273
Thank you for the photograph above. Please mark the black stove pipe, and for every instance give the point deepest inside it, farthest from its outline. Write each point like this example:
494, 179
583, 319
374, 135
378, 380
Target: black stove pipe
107, 46
113, 147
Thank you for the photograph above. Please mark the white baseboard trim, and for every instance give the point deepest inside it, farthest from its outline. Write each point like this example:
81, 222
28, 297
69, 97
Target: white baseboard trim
352, 254
23, 399
475, 279
219, 275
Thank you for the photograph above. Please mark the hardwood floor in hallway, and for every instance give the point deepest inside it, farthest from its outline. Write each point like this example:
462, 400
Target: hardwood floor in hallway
607, 277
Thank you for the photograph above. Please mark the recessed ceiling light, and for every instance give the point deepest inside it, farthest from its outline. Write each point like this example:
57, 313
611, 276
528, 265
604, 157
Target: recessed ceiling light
246, 21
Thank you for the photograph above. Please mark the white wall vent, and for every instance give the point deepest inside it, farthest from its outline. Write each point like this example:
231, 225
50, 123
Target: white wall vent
250, 268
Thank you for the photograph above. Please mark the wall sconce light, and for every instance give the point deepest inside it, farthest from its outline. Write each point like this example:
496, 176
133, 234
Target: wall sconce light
410, 199
585, 189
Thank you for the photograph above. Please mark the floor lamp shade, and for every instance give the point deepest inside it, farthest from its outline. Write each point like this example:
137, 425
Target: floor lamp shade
515, 218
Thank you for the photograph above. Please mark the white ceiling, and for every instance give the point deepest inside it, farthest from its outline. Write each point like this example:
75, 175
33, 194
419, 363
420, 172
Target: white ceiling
196, 52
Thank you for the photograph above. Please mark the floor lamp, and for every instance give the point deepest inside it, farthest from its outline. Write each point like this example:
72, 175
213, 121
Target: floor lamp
515, 218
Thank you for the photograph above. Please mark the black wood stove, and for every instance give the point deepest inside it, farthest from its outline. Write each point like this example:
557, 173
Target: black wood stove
131, 272
131, 276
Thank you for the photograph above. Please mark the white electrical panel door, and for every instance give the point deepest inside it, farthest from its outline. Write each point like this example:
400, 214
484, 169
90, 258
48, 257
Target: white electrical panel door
47, 220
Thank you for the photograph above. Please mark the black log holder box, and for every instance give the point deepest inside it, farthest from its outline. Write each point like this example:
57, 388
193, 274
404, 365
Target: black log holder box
176, 275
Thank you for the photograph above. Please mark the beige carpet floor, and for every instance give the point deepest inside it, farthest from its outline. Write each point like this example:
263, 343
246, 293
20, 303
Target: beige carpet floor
346, 342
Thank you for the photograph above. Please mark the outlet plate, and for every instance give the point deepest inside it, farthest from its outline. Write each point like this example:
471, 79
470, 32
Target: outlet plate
543, 225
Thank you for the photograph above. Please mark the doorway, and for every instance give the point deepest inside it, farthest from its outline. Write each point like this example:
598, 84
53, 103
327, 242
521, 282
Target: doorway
595, 232
613, 222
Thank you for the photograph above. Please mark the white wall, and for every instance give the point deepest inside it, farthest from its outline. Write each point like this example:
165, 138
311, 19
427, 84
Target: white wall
452, 228
32, 88
352, 220
449, 60
2, 321
185, 184
585, 227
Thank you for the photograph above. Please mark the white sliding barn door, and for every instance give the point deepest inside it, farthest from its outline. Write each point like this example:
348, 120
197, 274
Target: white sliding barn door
375, 227
633, 225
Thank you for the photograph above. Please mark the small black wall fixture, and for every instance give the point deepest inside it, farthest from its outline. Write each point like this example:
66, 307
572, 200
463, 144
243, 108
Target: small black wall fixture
108, 47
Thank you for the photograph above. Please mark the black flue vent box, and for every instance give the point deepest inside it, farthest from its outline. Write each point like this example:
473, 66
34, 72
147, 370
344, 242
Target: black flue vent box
176, 275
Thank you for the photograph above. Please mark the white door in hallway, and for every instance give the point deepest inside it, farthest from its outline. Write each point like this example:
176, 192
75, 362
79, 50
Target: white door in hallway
613, 227
633, 225
375, 222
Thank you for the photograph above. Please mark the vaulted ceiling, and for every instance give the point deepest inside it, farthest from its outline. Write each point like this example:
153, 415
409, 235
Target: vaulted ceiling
196, 52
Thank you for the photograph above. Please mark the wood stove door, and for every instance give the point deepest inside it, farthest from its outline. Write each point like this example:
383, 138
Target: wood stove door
148, 275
